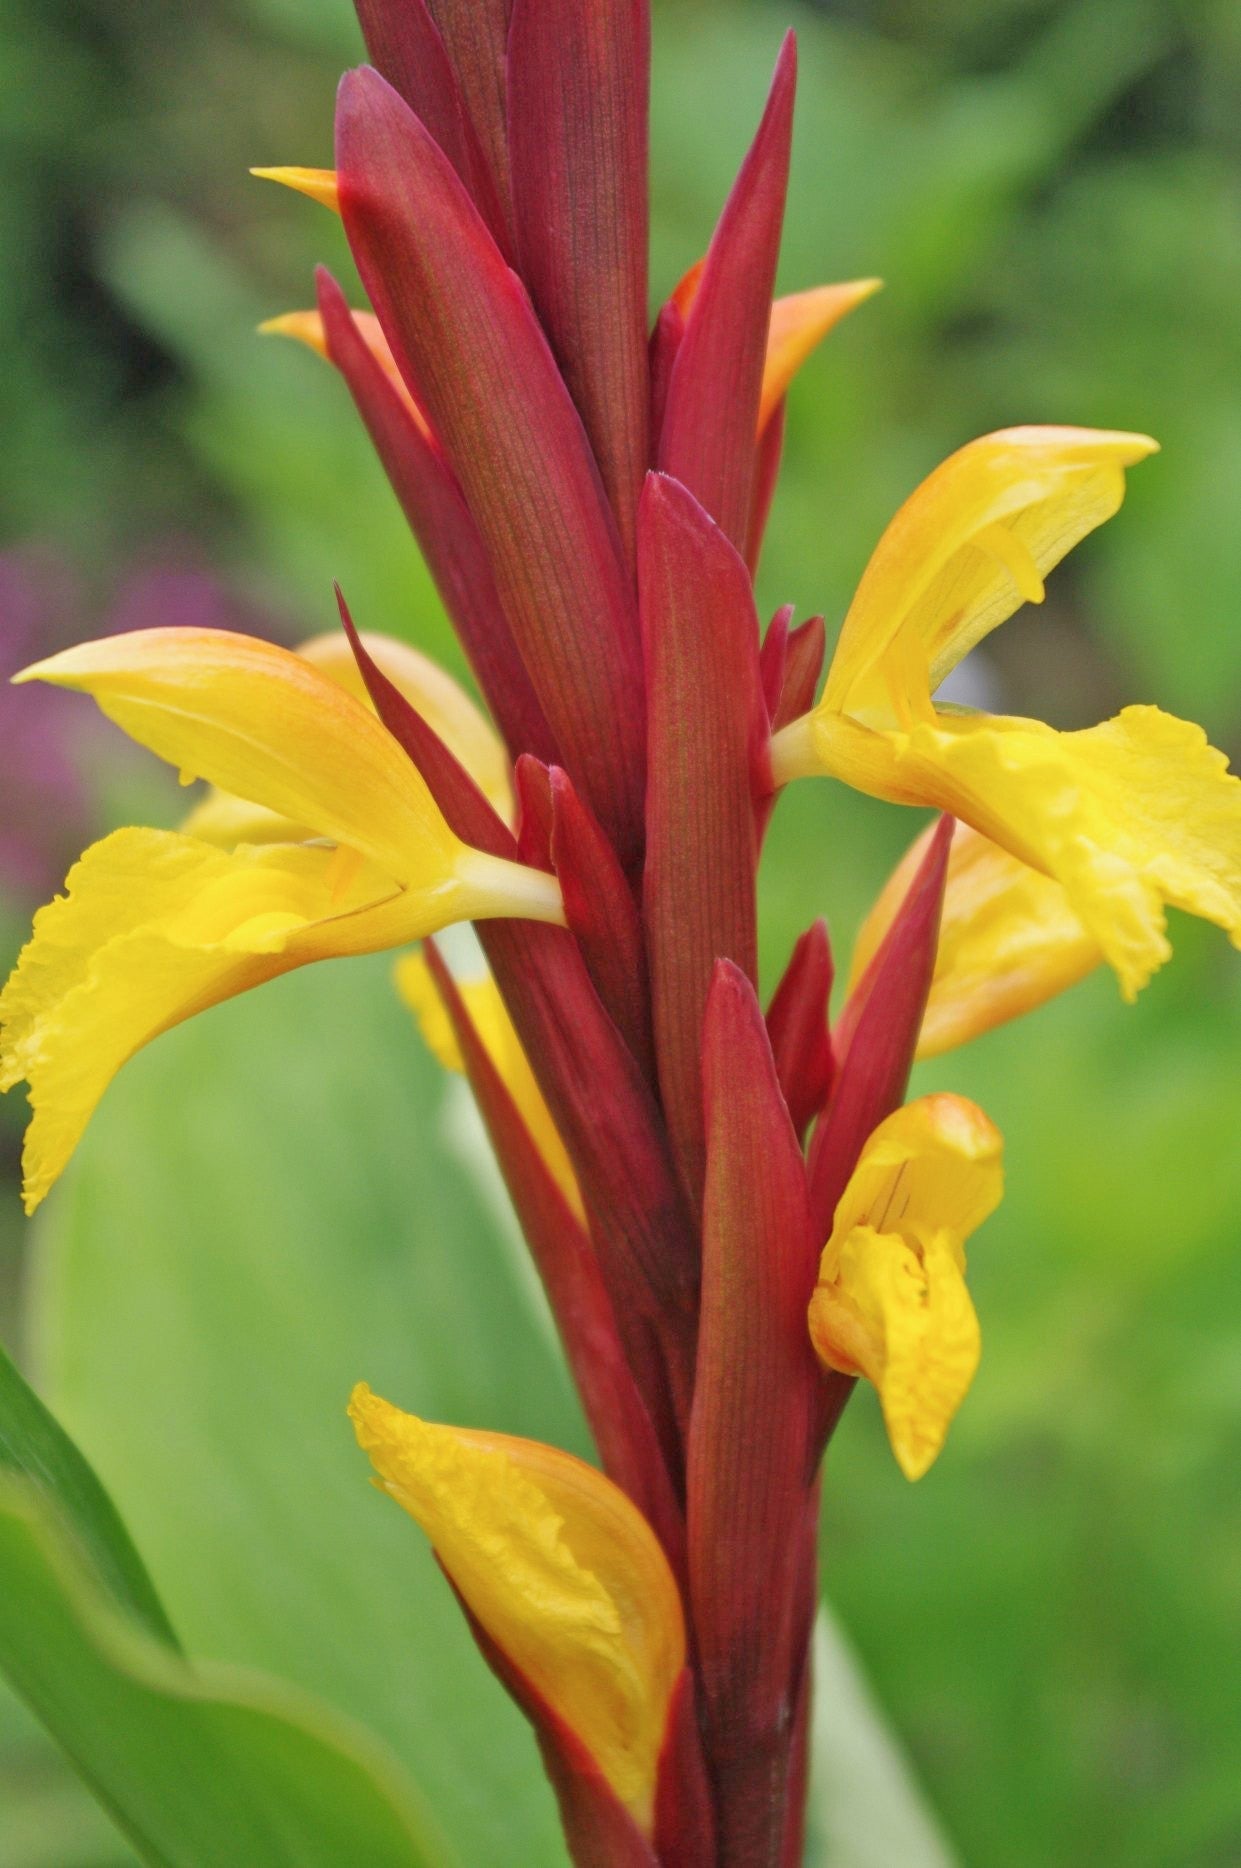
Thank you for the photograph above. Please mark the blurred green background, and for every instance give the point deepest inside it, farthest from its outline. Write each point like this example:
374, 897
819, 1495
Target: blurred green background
1052, 192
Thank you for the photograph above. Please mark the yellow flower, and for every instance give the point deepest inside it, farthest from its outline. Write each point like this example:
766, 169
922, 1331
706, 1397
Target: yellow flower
1128, 817
1008, 939
489, 1016
891, 1302
158, 925
561, 1571
443, 703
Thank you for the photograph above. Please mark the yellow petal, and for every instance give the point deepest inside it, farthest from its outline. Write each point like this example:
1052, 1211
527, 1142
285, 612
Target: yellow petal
261, 722
306, 327
891, 1302
319, 184
154, 927
935, 1164
1128, 817
900, 1314
799, 323
1008, 940
489, 1016
966, 549
441, 700
559, 1568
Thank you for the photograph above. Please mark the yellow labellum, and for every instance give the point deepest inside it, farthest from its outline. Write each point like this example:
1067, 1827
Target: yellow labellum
489, 1016
156, 926
319, 184
1128, 817
443, 703
560, 1569
891, 1302
1008, 939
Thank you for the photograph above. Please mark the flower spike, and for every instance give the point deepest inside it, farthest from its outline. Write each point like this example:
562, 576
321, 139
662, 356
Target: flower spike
562, 1573
891, 1302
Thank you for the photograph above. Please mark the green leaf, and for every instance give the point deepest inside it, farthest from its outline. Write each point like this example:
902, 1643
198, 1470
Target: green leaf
266, 1210
34, 1448
200, 1767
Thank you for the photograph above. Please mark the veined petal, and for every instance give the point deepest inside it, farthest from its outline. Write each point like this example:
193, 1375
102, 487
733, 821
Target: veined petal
891, 1302
1008, 940
154, 927
971, 545
319, 184
562, 1572
262, 722
1129, 817
307, 327
489, 1016
799, 323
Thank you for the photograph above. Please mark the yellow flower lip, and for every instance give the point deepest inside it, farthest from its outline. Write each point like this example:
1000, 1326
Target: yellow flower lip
891, 1302
319, 184
558, 1567
971, 544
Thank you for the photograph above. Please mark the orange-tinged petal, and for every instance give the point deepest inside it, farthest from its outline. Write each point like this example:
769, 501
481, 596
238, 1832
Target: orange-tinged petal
972, 544
1008, 940
307, 327
891, 1302
799, 323
319, 184
559, 1568
489, 1016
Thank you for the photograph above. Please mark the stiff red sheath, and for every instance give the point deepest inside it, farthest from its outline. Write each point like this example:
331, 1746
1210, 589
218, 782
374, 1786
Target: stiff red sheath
404, 43
463, 333
797, 1027
571, 1277
578, 82
603, 916
751, 1435
711, 417
706, 722
441, 522
475, 35
877, 1035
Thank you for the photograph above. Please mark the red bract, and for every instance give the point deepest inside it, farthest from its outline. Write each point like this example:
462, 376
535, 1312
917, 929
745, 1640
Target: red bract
591, 502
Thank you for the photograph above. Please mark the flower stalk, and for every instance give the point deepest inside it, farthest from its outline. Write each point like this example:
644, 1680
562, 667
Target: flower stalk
735, 1214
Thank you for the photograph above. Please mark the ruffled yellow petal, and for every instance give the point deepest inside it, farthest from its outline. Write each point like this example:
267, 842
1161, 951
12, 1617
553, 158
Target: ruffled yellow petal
489, 1016
154, 927
891, 1302
799, 323
306, 327
1008, 940
559, 1568
972, 544
1128, 817
319, 184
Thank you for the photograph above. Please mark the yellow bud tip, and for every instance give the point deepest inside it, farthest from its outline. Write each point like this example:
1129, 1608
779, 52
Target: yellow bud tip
319, 184
305, 327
